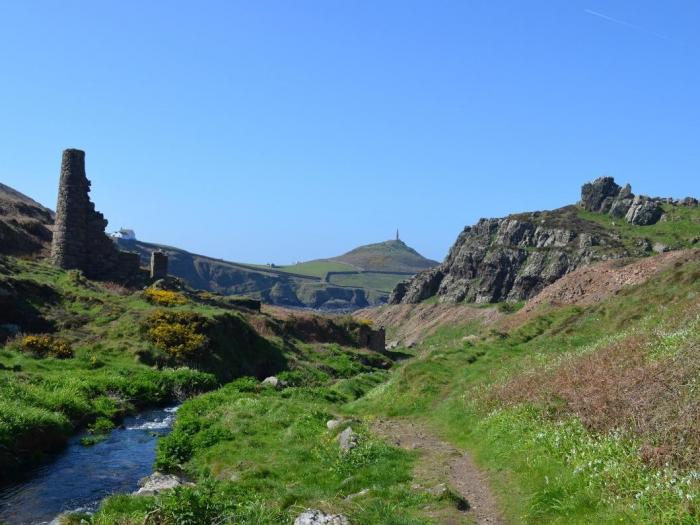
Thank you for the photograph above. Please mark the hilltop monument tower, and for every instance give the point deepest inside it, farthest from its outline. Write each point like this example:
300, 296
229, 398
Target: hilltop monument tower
79, 239
397, 234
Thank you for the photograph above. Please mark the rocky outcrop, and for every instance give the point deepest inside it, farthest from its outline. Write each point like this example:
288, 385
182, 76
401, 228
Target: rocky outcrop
644, 211
508, 259
603, 195
513, 258
347, 440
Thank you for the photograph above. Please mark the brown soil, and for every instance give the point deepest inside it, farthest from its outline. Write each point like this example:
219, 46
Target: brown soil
442, 465
592, 284
410, 323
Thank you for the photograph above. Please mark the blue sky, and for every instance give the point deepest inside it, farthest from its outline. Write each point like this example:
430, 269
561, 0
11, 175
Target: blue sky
269, 131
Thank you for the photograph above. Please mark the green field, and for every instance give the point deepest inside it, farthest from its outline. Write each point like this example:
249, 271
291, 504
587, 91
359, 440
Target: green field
375, 281
318, 268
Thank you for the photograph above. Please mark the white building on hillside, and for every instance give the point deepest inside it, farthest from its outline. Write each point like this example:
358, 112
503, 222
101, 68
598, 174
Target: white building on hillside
125, 234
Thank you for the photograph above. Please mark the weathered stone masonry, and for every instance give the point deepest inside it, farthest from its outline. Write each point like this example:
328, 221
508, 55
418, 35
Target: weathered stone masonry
159, 265
79, 240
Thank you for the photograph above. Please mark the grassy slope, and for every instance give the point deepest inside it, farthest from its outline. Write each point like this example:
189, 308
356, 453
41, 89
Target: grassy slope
391, 256
512, 399
376, 281
259, 454
388, 256
680, 229
318, 268
43, 401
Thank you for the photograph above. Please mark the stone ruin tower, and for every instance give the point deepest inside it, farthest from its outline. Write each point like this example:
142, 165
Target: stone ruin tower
79, 239
159, 265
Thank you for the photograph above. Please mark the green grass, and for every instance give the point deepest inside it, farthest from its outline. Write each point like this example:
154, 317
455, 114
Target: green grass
681, 229
317, 268
377, 281
546, 465
261, 456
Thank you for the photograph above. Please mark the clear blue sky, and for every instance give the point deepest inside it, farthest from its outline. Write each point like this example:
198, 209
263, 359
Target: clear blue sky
281, 131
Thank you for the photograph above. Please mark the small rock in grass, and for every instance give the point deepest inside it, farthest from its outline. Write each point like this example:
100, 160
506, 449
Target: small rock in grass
347, 440
157, 482
363, 492
273, 381
332, 424
317, 517
438, 490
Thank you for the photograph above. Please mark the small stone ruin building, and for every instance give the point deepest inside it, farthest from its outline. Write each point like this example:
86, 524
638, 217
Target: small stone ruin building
372, 339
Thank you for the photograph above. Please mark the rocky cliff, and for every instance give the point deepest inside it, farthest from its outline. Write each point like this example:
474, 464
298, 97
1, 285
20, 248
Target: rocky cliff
513, 258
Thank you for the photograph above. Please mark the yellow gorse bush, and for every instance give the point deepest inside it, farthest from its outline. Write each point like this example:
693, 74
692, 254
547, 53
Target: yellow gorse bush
164, 297
180, 334
46, 345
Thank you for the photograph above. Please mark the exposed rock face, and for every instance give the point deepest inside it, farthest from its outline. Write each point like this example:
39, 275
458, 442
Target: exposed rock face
643, 212
79, 240
509, 259
513, 258
603, 195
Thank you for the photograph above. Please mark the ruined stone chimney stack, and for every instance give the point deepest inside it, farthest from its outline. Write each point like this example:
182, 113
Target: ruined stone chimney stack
159, 265
79, 239
69, 237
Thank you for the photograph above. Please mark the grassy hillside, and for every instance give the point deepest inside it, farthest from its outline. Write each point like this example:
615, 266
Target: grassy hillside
375, 281
88, 353
580, 414
318, 268
24, 224
389, 256
75, 352
679, 229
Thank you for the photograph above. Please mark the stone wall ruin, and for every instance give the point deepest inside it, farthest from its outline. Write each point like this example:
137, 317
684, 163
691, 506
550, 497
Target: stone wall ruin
79, 240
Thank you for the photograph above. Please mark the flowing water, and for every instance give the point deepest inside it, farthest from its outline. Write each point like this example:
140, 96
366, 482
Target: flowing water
80, 476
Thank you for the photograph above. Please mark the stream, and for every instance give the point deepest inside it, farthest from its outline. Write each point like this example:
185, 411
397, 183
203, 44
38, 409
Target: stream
79, 477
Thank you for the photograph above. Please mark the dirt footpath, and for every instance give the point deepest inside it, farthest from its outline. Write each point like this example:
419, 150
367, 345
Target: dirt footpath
442, 467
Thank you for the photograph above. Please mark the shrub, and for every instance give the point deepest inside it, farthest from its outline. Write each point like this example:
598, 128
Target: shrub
509, 308
46, 346
180, 334
164, 297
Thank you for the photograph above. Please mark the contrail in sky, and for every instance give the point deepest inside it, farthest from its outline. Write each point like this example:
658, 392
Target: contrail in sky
623, 23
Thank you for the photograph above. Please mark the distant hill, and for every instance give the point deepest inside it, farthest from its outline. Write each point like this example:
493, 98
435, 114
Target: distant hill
24, 224
362, 277
379, 266
387, 256
330, 284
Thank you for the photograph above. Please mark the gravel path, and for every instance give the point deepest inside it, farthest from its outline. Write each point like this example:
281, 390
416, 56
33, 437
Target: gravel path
441, 463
